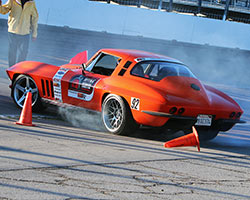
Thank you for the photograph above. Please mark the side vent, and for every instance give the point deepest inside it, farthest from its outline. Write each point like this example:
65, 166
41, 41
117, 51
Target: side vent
43, 87
52, 89
124, 69
128, 63
47, 88
122, 72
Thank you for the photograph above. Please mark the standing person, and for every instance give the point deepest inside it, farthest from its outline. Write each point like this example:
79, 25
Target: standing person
22, 22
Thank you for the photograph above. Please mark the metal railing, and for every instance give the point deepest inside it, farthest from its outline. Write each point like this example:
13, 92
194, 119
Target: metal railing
235, 10
155, 4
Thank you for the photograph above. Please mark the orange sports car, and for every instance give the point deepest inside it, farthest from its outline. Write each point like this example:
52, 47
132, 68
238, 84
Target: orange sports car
130, 88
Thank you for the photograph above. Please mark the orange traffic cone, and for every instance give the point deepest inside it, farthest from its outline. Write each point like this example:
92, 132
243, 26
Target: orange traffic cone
191, 139
26, 115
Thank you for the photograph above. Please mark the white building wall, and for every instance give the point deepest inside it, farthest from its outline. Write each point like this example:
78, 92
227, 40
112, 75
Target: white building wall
84, 14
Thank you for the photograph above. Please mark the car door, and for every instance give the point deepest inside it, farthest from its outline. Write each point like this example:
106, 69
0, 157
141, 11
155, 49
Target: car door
81, 85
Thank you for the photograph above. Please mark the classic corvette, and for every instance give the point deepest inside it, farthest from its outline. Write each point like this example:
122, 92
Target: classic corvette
130, 88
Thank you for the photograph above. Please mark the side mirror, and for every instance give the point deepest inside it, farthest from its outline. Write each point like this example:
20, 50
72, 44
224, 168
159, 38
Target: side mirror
83, 68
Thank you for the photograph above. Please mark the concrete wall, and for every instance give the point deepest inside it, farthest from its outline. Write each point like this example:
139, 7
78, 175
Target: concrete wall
57, 45
124, 20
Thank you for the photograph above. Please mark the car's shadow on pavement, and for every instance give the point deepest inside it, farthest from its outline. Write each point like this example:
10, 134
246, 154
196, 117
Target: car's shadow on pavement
155, 134
236, 140
86, 119
233, 139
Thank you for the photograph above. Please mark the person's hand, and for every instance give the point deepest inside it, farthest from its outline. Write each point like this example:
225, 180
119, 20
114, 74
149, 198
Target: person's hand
33, 38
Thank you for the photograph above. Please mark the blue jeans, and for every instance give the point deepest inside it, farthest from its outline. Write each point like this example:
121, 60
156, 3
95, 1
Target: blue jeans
18, 48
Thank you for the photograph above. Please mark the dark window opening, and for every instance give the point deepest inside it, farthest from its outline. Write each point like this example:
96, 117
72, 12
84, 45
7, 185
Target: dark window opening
104, 64
158, 70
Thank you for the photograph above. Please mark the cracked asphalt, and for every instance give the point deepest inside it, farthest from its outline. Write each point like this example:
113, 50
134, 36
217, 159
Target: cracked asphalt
58, 160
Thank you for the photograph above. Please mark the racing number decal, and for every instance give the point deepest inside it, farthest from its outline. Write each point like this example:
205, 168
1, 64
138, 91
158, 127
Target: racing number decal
57, 83
135, 103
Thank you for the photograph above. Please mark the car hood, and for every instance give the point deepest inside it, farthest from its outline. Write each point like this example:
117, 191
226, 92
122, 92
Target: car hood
190, 91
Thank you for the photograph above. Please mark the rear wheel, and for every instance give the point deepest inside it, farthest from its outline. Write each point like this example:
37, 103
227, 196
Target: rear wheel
22, 85
117, 117
206, 134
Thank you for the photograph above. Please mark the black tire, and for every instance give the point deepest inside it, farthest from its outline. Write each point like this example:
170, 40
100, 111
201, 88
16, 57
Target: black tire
117, 117
206, 134
21, 86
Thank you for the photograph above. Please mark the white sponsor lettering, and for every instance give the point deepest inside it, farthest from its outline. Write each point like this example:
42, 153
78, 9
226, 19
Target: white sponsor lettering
57, 83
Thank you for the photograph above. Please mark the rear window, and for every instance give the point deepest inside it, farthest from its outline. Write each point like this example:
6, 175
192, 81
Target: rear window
159, 70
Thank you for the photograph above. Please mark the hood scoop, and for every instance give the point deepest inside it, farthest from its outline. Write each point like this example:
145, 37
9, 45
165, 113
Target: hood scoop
195, 87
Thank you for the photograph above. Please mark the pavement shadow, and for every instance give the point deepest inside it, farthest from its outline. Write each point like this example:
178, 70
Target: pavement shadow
64, 132
106, 140
236, 140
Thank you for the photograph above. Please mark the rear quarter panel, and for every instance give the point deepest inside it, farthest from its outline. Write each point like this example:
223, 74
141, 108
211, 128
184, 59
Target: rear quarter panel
134, 90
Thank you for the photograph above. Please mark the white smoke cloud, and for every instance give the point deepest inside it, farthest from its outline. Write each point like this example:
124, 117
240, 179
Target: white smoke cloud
80, 117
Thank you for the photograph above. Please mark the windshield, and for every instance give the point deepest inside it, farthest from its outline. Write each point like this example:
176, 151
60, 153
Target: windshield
159, 70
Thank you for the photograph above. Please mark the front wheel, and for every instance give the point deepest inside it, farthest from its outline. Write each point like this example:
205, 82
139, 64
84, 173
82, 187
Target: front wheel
117, 117
21, 86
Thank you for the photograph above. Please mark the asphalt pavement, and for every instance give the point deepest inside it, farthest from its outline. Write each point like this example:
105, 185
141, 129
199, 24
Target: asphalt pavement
56, 160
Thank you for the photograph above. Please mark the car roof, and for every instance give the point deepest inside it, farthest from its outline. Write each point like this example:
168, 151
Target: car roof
138, 55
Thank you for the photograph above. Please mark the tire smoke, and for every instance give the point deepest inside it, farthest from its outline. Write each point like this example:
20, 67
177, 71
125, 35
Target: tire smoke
82, 118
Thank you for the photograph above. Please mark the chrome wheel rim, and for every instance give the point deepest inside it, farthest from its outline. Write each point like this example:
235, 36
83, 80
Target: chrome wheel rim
21, 89
113, 115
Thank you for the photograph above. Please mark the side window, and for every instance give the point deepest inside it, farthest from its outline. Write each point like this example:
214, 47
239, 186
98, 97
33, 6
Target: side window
154, 70
159, 70
140, 69
104, 64
184, 72
91, 65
